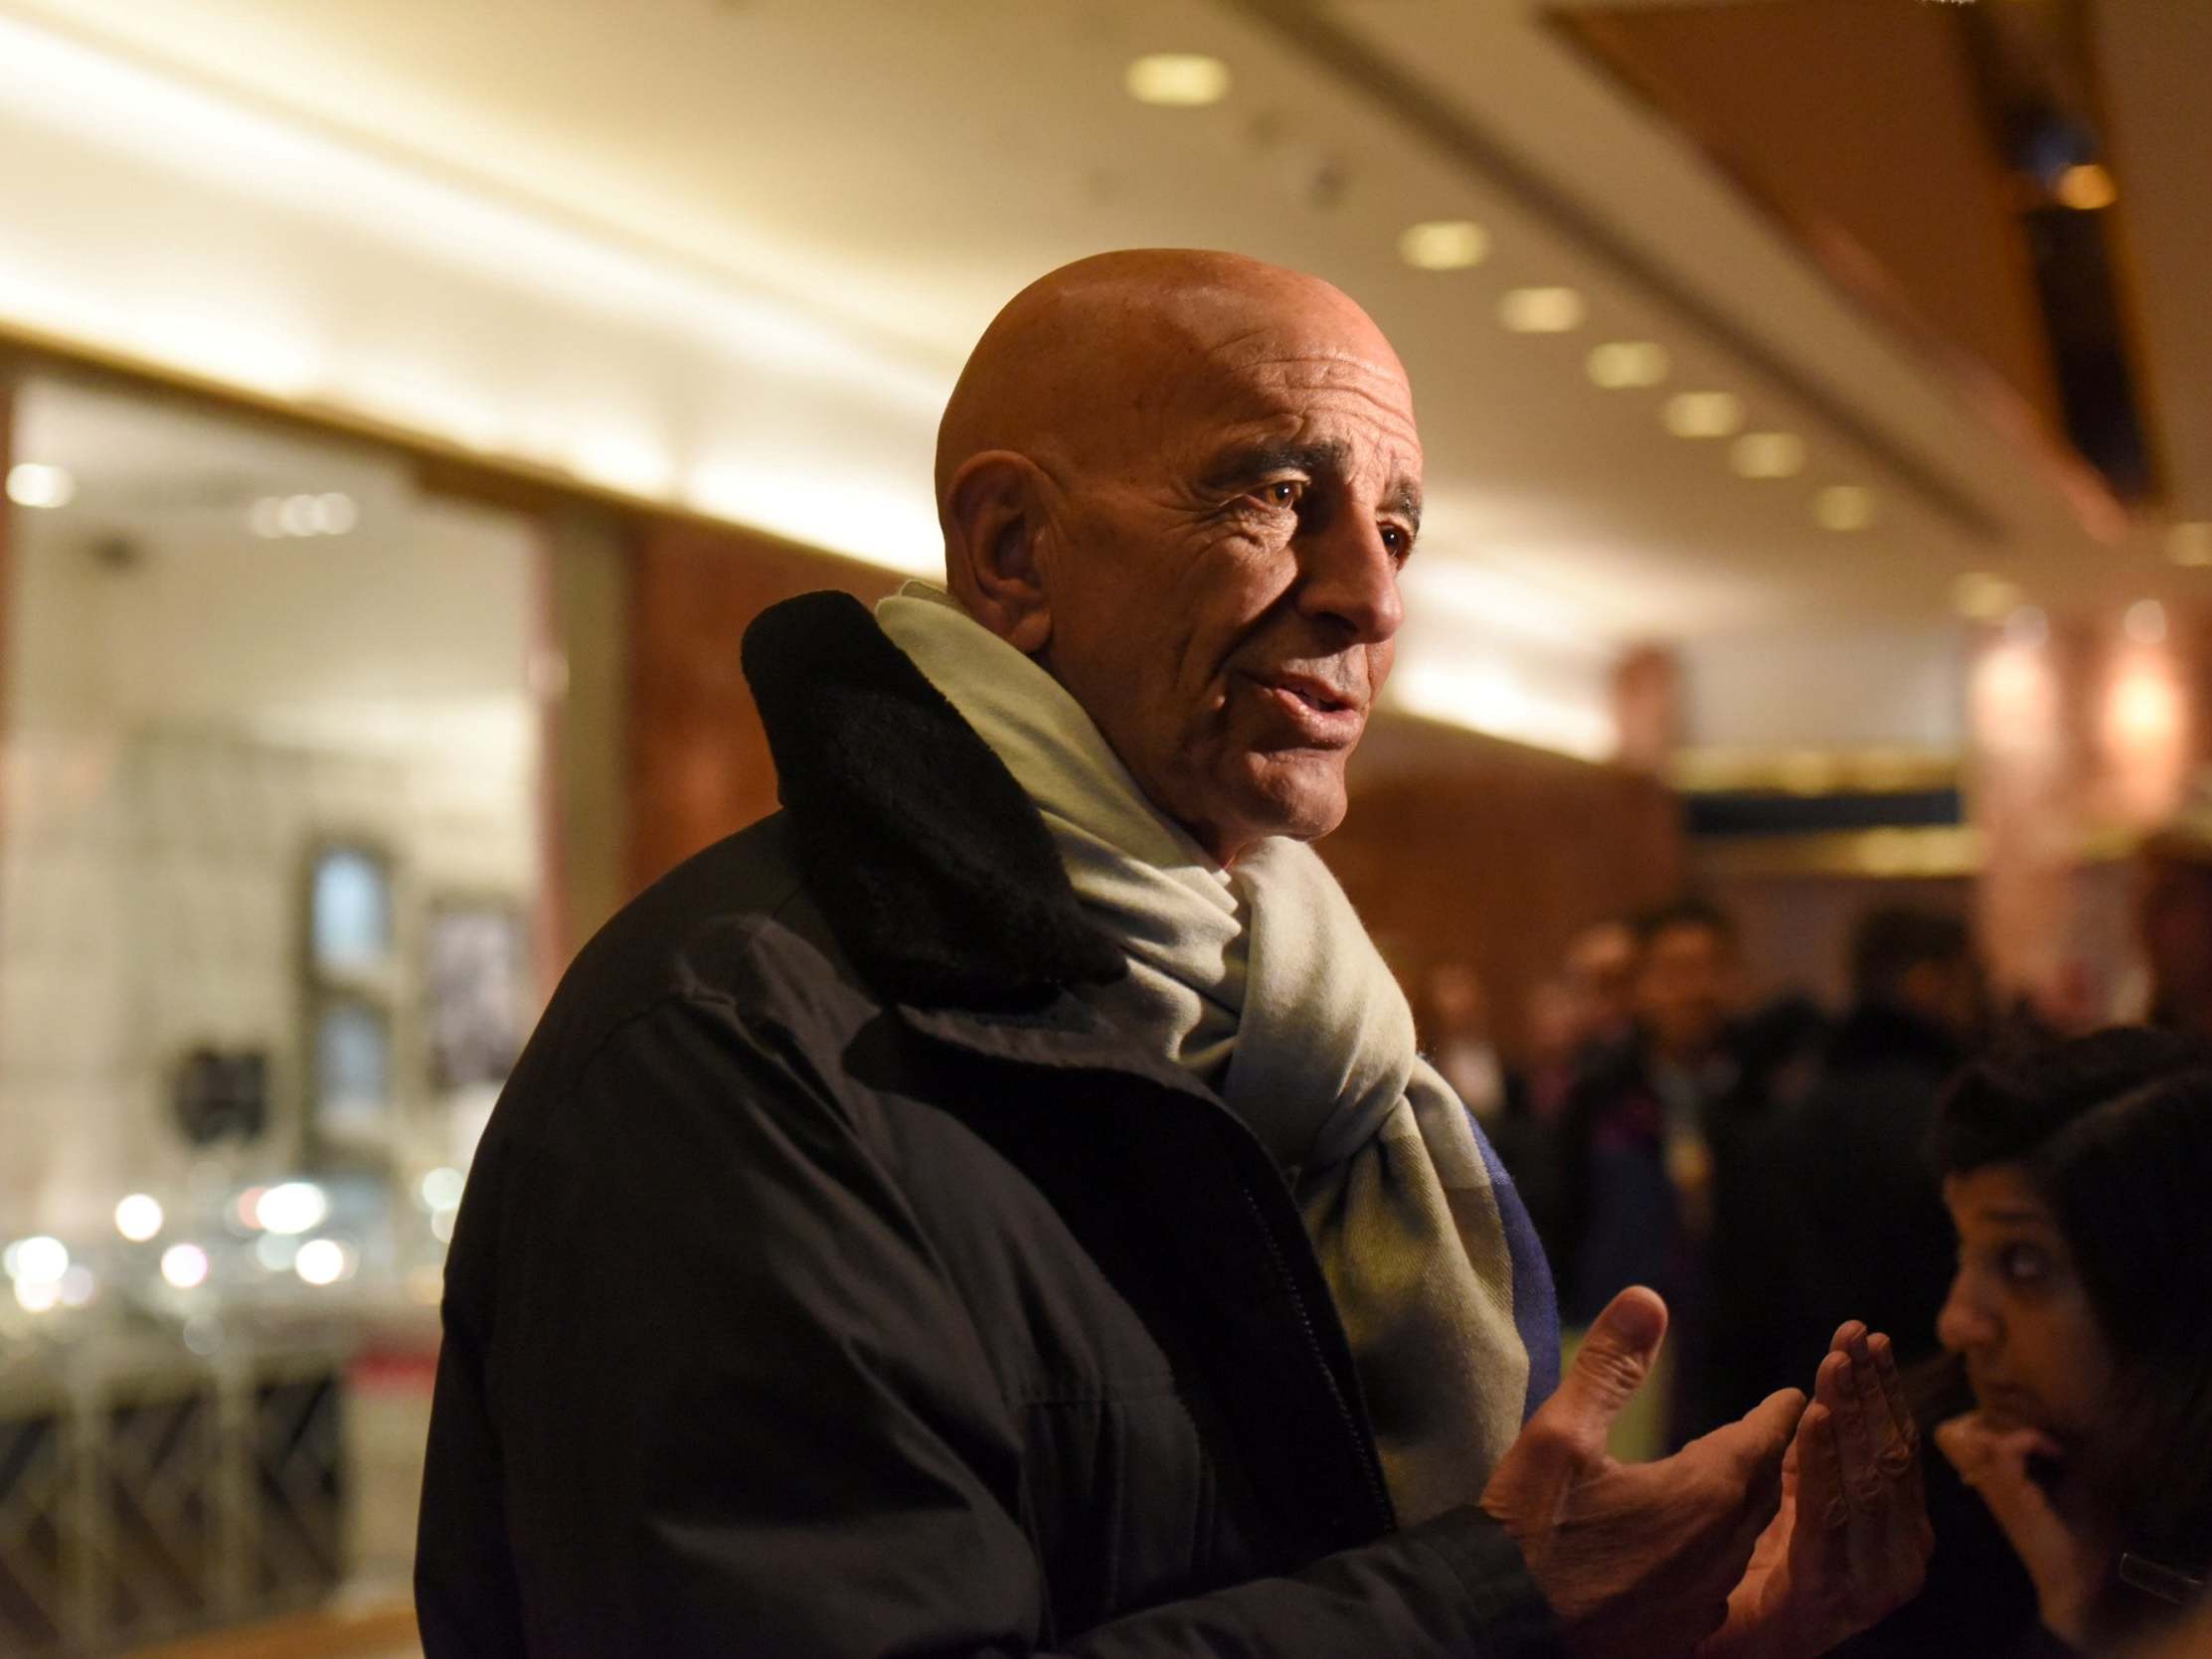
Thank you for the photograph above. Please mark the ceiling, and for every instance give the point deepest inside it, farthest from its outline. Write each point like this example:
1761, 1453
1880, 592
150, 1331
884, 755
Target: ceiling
897, 170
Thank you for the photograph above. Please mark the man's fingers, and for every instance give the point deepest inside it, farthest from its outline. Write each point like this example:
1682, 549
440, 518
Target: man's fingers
1757, 1441
1838, 1389
1851, 1341
1893, 1395
1612, 1364
1820, 1495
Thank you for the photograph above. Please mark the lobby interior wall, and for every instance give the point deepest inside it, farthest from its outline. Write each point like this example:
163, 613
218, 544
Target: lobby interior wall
1459, 847
698, 765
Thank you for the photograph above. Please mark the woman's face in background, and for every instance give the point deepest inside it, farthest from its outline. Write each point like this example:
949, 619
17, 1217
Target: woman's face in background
2018, 1314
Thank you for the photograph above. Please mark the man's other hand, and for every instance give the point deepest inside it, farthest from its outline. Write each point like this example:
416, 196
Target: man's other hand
1636, 1558
1851, 1540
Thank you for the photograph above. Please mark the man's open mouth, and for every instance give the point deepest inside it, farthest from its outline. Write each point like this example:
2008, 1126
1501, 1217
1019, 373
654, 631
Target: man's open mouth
1314, 694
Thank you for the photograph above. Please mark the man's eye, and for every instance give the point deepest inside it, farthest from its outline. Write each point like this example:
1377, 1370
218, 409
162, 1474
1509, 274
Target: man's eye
1284, 492
2025, 1263
1399, 543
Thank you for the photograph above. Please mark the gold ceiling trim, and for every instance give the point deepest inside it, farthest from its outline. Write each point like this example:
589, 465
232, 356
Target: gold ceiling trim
1876, 771
1944, 851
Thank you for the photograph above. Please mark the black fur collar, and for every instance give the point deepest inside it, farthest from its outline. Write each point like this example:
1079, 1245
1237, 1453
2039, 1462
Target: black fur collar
936, 873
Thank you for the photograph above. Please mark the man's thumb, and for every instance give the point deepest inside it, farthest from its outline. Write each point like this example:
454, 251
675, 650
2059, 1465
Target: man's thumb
1612, 1364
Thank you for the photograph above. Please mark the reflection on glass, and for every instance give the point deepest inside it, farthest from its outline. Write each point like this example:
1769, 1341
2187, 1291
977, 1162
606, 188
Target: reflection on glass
353, 1068
352, 921
474, 976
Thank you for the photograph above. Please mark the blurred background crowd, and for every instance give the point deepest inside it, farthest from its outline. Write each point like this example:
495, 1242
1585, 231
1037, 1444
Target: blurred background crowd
403, 407
1767, 1162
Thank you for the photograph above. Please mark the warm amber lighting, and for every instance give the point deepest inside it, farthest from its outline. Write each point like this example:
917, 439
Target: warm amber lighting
1843, 507
2145, 729
1443, 244
2086, 187
2027, 628
1984, 596
1807, 771
2145, 623
1541, 310
1768, 454
32, 484
1703, 413
2190, 544
1178, 80
1626, 363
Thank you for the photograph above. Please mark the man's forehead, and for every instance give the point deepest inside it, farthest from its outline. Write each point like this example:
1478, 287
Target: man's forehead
1260, 395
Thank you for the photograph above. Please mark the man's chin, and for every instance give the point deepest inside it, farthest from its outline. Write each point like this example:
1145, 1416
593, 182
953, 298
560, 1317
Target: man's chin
1298, 794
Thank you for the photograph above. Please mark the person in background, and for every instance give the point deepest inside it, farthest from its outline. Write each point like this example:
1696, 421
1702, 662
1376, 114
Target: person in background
1556, 1042
1864, 1232
1600, 971
1458, 1040
2173, 920
1460, 1043
2073, 1502
1554, 1039
1647, 1131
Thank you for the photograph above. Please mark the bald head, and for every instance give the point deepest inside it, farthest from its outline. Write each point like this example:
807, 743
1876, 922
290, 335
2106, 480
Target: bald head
1184, 482
1084, 360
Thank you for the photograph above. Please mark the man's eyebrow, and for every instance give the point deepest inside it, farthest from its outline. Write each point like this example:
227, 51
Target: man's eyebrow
1250, 463
1254, 462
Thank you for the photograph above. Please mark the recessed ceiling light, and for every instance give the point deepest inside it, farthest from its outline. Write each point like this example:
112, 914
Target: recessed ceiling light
335, 514
2086, 187
1443, 244
1626, 363
2190, 544
1703, 413
299, 516
1179, 80
1843, 507
2145, 623
1768, 454
1984, 596
1541, 310
30, 484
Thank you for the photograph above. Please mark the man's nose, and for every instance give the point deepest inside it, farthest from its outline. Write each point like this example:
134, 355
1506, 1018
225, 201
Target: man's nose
1964, 1324
1350, 574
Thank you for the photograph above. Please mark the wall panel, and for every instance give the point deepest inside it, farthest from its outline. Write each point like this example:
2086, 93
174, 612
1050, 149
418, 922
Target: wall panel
699, 765
1462, 846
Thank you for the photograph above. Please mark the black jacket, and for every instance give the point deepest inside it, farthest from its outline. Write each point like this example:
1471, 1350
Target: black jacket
831, 1281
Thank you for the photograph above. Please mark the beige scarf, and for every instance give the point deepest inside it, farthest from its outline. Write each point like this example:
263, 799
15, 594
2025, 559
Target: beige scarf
1261, 981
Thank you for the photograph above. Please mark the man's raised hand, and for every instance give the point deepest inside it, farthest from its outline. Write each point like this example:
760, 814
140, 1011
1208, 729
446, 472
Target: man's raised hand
1636, 1558
1851, 1540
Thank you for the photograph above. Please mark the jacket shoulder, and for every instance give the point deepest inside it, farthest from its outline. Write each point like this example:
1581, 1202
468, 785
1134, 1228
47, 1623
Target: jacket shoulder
736, 927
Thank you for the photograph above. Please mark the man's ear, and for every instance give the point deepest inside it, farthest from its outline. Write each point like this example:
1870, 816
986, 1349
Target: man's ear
993, 517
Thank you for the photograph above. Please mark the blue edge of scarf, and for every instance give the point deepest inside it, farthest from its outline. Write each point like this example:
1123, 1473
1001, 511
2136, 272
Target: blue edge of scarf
1535, 1300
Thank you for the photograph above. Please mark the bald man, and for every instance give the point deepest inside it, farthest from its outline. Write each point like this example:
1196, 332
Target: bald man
993, 1205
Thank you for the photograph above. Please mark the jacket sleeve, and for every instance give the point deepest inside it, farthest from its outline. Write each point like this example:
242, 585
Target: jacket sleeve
704, 1371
